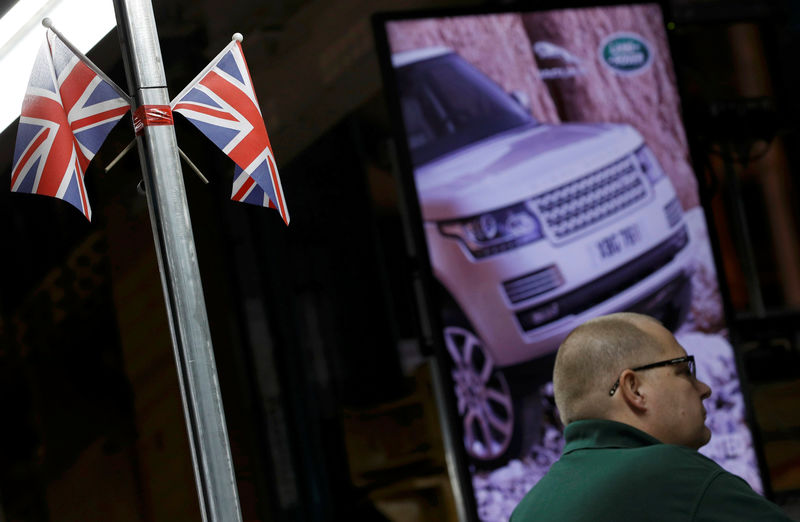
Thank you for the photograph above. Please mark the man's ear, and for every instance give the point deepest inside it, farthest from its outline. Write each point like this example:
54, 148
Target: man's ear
630, 386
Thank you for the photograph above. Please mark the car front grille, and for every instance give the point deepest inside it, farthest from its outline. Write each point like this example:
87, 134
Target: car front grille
591, 199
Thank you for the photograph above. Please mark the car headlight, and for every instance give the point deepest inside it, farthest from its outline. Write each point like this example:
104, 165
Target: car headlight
649, 164
496, 231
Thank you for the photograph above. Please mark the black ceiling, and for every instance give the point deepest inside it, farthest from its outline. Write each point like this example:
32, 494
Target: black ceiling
5, 5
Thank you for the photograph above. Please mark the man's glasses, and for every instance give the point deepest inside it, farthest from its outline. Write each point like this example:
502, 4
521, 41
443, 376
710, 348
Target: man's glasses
689, 359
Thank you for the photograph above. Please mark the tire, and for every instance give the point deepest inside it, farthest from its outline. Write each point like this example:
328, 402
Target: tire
486, 405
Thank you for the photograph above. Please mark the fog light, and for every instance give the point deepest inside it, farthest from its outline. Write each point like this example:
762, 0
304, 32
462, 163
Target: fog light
545, 314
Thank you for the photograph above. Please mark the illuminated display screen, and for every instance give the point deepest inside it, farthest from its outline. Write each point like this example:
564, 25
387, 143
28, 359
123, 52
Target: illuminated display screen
553, 184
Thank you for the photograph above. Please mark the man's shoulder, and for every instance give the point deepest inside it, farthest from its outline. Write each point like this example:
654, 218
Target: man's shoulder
671, 458
675, 454
602, 479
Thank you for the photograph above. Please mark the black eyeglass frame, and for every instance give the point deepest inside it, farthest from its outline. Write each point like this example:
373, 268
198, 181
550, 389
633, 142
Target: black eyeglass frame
669, 362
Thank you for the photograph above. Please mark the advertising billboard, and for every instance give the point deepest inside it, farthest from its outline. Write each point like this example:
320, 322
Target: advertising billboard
552, 183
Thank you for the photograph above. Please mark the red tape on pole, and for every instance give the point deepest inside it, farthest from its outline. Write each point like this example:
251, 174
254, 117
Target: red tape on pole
147, 115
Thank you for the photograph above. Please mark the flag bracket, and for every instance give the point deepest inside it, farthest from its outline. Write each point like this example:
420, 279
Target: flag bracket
182, 154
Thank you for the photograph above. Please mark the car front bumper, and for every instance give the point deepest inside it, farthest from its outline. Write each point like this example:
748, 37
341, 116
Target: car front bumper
655, 282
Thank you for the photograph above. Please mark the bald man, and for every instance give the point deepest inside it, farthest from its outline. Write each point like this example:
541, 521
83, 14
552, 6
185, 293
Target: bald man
633, 409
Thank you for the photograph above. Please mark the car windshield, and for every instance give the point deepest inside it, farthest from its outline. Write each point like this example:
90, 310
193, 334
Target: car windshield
448, 104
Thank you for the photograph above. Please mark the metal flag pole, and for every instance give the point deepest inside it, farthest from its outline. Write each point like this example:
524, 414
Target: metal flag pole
180, 276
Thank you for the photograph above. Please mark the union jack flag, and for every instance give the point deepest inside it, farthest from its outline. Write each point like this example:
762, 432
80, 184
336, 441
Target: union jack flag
221, 102
67, 113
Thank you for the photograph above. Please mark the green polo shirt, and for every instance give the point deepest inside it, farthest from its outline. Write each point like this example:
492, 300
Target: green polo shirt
613, 472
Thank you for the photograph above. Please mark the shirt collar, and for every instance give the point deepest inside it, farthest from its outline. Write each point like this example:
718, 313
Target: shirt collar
596, 434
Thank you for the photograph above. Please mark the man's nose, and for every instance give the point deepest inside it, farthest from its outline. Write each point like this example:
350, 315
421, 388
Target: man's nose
705, 390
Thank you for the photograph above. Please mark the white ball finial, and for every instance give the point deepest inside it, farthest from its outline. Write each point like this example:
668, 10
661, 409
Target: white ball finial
238, 37
47, 22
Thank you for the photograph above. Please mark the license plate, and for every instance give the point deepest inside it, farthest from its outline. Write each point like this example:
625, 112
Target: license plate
617, 243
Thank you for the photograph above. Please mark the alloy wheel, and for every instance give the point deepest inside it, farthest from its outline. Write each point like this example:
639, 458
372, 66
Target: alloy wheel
484, 397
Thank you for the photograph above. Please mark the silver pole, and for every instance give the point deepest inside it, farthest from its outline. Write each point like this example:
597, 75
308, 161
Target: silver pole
180, 277
455, 470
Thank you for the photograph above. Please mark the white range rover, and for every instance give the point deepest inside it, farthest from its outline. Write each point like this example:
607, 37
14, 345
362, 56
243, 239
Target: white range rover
531, 229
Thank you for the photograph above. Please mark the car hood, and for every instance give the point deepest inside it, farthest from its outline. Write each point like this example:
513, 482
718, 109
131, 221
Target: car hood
517, 165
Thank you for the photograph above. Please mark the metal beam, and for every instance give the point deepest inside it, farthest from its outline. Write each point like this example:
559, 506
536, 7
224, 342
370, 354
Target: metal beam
180, 275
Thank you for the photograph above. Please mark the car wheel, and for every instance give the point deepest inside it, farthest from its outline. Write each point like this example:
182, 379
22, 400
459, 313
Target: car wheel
484, 399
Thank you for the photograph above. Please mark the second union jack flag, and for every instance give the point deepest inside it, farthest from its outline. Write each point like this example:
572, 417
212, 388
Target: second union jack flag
221, 103
67, 113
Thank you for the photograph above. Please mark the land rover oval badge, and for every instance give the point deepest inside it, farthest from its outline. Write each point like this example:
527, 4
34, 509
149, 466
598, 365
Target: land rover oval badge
626, 53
